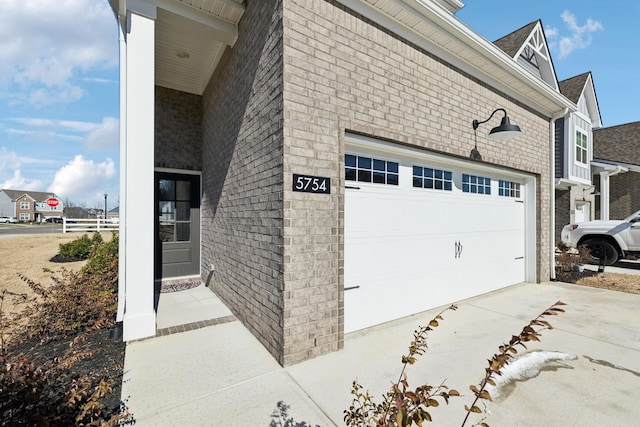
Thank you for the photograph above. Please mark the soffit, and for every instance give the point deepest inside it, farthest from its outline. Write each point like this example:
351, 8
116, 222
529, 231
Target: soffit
191, 36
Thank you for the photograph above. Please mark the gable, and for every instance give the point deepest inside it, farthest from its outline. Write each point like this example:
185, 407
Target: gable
528, 46
581, 91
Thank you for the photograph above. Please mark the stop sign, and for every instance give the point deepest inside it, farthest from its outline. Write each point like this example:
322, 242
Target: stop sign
53, 202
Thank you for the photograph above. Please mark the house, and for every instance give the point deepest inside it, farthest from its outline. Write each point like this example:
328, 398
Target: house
573, 136
616, 170
325, 166
30, 206
114, 214
576, 194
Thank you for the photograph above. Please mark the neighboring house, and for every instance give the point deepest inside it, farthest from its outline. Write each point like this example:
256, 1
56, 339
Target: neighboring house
114, 213
575, 192
573, 148
311, 162
616, 170
29, 206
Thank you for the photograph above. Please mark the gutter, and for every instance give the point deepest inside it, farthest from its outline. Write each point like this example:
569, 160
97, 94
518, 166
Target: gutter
552, 145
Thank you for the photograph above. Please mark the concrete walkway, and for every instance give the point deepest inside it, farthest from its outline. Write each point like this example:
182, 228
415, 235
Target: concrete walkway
220, 375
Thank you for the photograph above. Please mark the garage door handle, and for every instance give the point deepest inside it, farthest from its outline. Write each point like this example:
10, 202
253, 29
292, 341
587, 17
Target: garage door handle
519, 257
351, 288
351, 187
458, 249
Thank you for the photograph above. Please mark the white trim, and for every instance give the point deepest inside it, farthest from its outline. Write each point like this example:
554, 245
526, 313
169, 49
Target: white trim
577, 162
611, 165
226, 32
192, 173
178, 171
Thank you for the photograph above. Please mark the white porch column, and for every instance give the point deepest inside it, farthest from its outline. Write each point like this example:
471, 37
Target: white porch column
604, 195
138, 174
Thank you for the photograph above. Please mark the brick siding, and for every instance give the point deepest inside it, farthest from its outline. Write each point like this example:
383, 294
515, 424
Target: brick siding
624, 195
242, 206
178, 129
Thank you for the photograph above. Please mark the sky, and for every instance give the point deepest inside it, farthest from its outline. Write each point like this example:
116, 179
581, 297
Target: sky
59, 87
59, 99
583, 35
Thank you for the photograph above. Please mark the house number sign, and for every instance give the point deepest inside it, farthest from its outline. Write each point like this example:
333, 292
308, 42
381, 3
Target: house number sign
311, 184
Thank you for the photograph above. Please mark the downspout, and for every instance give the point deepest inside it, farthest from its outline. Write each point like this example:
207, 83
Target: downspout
122, 280
552, 143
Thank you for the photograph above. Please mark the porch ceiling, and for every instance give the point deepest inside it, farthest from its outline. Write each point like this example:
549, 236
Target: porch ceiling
191, 36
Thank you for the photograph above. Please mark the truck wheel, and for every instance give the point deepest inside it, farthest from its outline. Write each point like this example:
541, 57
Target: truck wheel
602, 249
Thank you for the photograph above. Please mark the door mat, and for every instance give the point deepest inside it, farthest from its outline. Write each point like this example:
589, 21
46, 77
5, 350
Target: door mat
177, 285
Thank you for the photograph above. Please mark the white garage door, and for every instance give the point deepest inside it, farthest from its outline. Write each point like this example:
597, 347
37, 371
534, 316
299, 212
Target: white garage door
423, 231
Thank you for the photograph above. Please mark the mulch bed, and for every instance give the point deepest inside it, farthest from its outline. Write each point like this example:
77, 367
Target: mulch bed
64, 258
106, 361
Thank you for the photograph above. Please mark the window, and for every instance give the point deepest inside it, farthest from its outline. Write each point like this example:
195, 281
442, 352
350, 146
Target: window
476, 184
581, 147
24, 205
436, 179
174, 210
367, 169
508, 189
24, 217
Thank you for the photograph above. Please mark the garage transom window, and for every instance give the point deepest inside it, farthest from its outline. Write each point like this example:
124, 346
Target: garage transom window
436, 179
476, 184
508, 189
368, 169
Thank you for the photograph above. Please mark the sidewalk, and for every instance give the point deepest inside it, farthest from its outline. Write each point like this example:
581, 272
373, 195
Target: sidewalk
221, 375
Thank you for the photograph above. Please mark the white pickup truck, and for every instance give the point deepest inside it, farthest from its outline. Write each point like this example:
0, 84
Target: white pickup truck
608, 241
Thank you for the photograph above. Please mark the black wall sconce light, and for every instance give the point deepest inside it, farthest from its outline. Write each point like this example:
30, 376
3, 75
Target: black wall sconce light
595, 191
505, 131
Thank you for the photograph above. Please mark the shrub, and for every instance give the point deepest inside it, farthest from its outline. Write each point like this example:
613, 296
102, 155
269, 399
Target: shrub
79, 248
568, 260
47, 371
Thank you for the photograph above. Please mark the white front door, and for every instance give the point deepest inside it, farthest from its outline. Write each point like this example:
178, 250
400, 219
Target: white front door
583, 212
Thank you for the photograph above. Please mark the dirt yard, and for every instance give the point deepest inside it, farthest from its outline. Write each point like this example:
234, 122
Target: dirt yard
29, 256
612, 281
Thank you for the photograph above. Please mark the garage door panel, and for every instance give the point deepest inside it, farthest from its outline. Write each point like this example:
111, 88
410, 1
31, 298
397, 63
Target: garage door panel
411, 249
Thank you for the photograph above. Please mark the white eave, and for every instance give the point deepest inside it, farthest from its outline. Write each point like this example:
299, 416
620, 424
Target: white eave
613, 166
191, 37
433, 28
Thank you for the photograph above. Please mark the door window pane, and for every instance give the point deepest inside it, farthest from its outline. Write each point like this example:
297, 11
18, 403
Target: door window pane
167, 189
183, 232
166, 232
183, 211
183, 190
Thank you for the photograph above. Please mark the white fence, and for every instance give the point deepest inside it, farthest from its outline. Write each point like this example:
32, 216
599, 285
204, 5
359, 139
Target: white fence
99, 224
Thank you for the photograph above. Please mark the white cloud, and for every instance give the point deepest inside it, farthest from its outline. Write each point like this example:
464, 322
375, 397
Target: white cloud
9, 160
84, 180
96, 136
45, 45
18, 182
105, 136
580, 36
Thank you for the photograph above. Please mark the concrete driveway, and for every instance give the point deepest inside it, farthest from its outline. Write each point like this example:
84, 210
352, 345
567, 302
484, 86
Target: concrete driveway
221, 375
